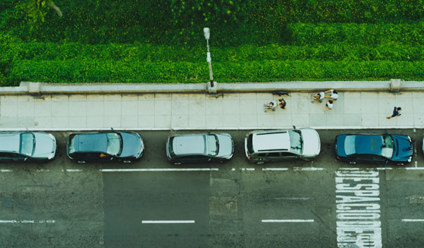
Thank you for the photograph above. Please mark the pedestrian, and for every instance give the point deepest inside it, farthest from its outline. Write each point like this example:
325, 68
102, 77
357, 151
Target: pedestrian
333, 94
329, 105
318, 96
282, 103
271, 105
396, 112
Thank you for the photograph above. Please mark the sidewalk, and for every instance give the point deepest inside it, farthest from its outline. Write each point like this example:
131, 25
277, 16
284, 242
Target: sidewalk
201, 111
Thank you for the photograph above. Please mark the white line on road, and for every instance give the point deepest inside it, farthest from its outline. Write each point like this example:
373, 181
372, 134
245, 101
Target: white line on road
287, 221
413, 220
308, 168
414, 168
5, 170
27, 221
156, 170
275, 169
247, 169
384, 168
167, 221
73, 170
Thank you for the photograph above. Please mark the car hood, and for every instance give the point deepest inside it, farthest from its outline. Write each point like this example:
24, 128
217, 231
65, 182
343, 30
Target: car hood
311, 143
45, 146
132, 145
226, 146
403, 148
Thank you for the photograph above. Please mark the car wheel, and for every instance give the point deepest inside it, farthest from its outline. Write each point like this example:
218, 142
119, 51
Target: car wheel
352, 162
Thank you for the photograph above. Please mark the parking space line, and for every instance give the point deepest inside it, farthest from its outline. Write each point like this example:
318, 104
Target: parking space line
287, 221
159, 170
5, 170
168, 222
27, 221
412, 220
384, 168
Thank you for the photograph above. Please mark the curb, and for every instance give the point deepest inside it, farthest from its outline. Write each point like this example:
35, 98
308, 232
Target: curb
38, 88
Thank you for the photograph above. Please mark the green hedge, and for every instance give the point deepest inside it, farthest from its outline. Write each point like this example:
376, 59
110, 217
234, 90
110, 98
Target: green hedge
232, 22
184, 72
136, 53
366, 34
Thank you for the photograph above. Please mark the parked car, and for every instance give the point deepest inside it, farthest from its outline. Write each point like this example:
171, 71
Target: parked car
27, 146
280, 145
374, 148
105, 146
199, 148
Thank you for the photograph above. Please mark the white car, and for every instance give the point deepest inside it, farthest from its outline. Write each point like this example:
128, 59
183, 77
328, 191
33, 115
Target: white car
27, 146
280, 145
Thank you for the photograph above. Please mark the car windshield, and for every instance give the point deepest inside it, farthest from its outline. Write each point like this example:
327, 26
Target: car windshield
387, 150
212, 144
295, 141
114, 144
27, 144
349, 144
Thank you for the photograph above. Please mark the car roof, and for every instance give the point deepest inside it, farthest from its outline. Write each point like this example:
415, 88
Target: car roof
90, 142
369, 144
188, 144
265, 141
10, 142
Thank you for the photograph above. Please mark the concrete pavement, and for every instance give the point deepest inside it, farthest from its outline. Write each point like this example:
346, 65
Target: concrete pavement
162, 111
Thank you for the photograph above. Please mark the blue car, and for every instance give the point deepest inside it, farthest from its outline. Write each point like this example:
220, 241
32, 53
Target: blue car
369, 148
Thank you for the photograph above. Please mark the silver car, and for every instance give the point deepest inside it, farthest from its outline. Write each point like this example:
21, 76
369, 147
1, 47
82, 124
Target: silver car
27, 146
199, 148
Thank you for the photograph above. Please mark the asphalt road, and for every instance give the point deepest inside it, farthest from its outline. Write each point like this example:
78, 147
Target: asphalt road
151, 203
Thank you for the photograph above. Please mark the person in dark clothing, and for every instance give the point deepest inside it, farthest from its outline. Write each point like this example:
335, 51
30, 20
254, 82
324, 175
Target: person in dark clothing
396, 112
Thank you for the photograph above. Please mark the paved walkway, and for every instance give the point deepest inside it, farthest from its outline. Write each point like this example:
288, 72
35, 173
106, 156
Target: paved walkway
201, 111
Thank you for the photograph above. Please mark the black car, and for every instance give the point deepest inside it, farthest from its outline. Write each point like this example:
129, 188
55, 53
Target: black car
370, 148
105, 146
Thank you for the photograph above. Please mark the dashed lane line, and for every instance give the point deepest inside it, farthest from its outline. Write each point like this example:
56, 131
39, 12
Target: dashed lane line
412, 220
168, 221
287, 221
27, 221
159, 170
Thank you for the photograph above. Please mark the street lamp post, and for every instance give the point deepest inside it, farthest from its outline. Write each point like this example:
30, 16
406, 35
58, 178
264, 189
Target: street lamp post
211, 85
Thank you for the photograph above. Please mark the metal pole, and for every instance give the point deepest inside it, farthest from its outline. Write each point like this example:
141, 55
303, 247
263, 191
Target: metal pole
209, 60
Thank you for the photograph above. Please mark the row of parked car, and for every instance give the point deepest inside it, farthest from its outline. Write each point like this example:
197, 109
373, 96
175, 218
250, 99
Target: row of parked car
260, 147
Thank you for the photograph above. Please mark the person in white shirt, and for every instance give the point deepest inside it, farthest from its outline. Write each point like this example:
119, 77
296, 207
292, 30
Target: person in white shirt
333, 94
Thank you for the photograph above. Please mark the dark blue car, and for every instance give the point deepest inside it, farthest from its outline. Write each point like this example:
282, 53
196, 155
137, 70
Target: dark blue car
368, 148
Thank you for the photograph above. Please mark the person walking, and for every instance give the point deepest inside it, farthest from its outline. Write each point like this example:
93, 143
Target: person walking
396, 112
333, 94
329, 105
282, 103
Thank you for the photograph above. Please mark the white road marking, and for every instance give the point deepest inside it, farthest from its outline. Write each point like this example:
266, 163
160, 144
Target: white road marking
286, 221
233, 169
167, 221
293, 198
247, 169
159, 170
358, 208
413, 220
27, 221
43, 170
308, 168
5, 170
73, 170
414, 168
416, 163
275, 169
384, 168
